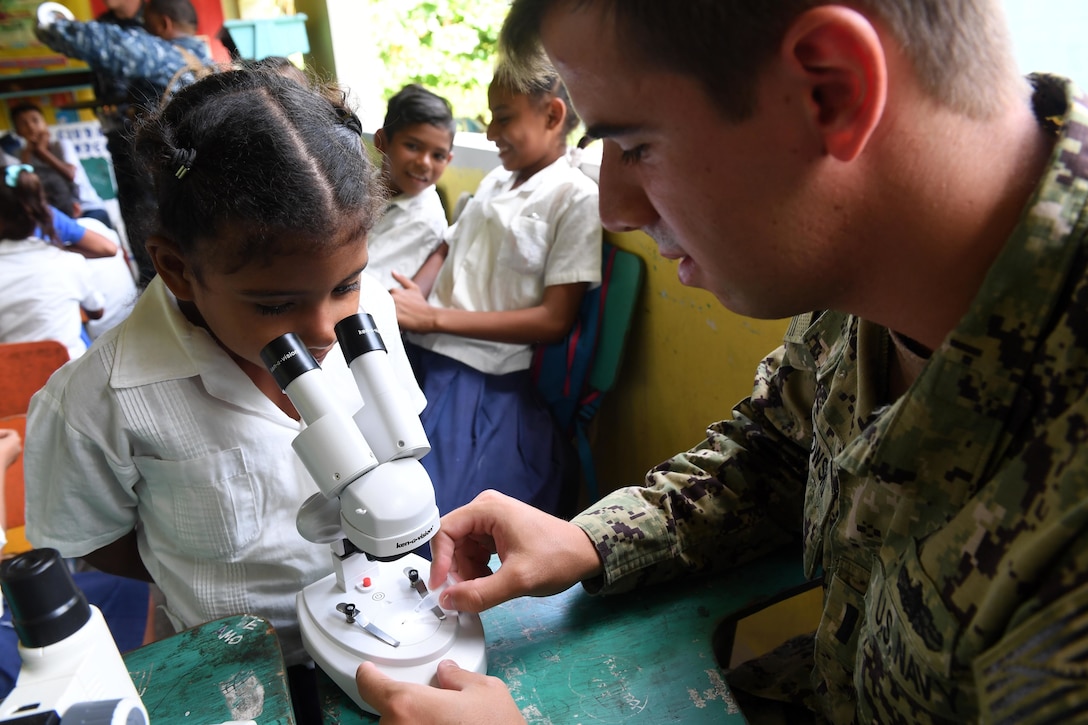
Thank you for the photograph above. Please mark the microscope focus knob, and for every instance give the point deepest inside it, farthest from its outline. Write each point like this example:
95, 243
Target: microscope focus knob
125, 711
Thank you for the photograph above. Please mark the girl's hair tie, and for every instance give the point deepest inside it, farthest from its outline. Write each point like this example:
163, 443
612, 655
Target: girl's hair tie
350, 120
183, 160
11, 173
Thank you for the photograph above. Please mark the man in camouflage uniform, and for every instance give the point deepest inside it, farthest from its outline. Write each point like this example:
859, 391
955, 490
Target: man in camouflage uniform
885, 163
145, 64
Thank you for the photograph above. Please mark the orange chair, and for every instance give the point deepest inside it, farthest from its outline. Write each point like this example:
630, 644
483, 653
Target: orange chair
26, 366
14, 504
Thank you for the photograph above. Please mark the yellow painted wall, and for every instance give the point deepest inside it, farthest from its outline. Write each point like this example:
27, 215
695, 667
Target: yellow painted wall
457, 180
688, 361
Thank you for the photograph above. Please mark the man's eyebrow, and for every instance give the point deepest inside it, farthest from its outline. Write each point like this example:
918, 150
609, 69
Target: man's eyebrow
608, 130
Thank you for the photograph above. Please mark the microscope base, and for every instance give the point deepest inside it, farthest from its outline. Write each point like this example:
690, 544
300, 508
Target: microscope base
383, 596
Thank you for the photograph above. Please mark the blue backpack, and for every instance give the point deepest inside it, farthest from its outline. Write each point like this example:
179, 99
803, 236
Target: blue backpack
574, 373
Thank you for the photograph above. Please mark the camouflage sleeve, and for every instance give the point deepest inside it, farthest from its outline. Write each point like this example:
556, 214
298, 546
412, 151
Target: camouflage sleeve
737, 495
1037, 672
111, 49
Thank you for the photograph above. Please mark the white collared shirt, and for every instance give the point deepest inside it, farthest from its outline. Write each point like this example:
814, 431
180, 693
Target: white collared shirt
113, 278
411, 228
506, 247
43, 289
157, 429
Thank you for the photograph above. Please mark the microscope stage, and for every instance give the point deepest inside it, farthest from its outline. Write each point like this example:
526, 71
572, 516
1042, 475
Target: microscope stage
386, 610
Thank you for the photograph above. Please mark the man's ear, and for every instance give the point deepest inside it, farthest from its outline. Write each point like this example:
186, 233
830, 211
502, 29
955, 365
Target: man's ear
172, 266
380, 141
841, 60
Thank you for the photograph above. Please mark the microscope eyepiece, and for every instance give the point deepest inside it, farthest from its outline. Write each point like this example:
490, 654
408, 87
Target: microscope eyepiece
287, 358
358, 335
46, 605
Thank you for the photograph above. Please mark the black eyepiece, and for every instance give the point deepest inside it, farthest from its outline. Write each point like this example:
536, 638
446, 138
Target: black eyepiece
358, 335
287, 358
46, 605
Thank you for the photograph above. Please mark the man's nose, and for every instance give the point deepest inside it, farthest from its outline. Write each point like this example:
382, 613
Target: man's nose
623, 202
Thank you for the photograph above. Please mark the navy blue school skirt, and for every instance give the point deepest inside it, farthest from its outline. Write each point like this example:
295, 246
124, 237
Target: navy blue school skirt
490, 431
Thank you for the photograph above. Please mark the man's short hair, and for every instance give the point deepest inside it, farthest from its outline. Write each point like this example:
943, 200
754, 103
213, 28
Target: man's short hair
959, 48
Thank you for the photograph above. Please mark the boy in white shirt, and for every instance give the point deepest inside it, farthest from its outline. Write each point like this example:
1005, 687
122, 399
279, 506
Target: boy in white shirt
416, 142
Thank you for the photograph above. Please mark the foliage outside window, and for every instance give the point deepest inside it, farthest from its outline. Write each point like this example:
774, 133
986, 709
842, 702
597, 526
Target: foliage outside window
447, 46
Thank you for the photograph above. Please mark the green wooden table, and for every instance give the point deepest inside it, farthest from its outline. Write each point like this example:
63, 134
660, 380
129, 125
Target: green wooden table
640, 658
229, 669
643, 658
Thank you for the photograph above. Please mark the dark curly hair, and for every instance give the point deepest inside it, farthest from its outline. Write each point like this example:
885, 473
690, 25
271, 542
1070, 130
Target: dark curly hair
23, 208
262, 159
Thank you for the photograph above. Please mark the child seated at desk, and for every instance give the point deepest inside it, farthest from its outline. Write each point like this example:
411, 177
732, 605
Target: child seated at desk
45, 288
165, 453
67, 186
416, 142
513, 273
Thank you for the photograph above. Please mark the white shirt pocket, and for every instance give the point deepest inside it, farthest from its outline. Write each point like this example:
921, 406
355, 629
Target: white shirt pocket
208, 506
525, 247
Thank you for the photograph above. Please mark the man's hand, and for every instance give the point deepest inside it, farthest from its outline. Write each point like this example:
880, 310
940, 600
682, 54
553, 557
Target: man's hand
541, 554
462, 697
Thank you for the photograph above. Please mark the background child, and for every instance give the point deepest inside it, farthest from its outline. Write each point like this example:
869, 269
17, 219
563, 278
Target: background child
45, 288
416, 142
517, 264
93, 241
113, 277
56, 163
165, 453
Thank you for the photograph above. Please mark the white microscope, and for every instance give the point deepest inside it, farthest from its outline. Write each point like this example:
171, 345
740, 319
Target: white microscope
71, 670
376, 506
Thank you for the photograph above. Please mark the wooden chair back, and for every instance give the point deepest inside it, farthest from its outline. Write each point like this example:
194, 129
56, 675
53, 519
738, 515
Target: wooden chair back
24, 368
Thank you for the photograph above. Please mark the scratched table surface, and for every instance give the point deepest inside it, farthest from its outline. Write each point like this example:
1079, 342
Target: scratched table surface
638, 658
227, 670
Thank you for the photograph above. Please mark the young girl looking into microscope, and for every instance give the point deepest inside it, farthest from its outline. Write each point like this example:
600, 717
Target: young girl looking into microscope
512, 274
165, 452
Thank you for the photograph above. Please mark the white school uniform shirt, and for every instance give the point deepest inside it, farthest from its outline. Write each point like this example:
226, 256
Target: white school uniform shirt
113, 278
506, 247
43, 289
157, 429
411, 228
87, 195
